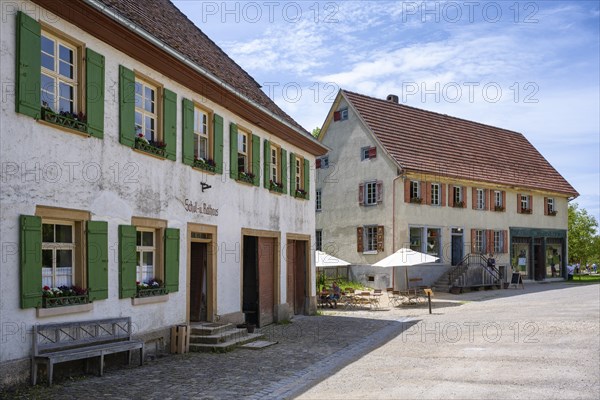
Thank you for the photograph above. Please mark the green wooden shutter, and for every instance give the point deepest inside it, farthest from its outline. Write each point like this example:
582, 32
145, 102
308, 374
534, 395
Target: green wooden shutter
187, 139
307, 178
218, 143
94, 93
292, 174
233, 150
28, 66
170, 123
31, 261
127, 261
126, 106
284, 171
267, 161
256, 159
172, 259
97, 260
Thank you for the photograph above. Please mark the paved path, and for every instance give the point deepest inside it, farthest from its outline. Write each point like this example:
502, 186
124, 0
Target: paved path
401, 353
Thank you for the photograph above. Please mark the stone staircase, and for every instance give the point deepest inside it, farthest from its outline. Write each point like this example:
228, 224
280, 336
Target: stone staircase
218, 337
443, 284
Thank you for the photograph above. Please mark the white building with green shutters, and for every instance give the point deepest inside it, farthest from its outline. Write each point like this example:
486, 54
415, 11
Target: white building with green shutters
144, 173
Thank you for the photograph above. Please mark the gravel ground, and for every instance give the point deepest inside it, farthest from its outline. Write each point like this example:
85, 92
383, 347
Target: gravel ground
539, 343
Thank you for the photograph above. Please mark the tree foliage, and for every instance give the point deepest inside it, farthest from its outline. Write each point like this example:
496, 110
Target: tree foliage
584, 242
316, 132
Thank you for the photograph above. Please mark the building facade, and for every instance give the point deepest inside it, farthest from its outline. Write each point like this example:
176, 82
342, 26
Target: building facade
145, 174
397, 176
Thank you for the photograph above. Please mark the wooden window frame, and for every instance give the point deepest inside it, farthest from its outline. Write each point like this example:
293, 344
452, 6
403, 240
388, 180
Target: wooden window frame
209, 131
480, 245
480, 199
54, 246
498, 198
366, 248
158, 102
415, 190
318, 199
275, 166
550, 207
299, 172
158, 226
498, 242
140, 248
78, 68
248, 154
319, 239
457, 194
373, 184
525, 202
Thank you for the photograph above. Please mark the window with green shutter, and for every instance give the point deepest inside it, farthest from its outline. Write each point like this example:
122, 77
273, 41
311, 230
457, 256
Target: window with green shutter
172, 259
299, 176
127, 261
63, 257
169, 124
274, 173
50, 76
255, 154
218, 143
202, 138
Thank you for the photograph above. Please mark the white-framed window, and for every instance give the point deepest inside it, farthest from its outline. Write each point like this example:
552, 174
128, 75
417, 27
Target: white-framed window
243, 151
370, 238
371, 193
416, 238
58, 253
435, 194
425, 239
524, 202
323, 162
202, 137
146, 254
146, 110
318, 199
457, 194
480, 241
498, 199
344, 114
550, 205
415, 190
59, 74
434, 241
498, 242
480, 193
366, 153
319, 239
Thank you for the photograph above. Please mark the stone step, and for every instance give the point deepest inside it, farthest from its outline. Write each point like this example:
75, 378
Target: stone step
219, 337
209, 328
225, 346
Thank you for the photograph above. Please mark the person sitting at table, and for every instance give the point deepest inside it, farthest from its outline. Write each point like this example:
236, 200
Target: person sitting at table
334, 296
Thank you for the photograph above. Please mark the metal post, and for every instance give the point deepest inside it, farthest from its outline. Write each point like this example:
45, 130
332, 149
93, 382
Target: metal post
429, 300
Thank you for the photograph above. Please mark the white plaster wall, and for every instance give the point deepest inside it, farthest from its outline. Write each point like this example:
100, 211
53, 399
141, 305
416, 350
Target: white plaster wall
341, 214
44, 165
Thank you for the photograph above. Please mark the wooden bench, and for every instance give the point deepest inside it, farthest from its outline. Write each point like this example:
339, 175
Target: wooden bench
68, 341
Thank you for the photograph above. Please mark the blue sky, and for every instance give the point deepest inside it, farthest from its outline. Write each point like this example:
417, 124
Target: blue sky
531, 67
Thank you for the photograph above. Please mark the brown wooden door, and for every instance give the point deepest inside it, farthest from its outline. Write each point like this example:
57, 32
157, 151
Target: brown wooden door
290, 263
300, 277
266, 272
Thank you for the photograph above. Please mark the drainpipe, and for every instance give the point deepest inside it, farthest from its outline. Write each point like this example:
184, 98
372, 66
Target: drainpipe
394, 223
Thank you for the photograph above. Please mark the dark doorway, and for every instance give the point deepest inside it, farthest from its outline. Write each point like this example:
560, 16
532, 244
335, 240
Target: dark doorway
457, 247
198, 282
250, 281
539, 263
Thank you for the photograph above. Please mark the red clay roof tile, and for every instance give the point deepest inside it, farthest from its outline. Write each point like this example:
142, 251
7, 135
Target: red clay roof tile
432, 143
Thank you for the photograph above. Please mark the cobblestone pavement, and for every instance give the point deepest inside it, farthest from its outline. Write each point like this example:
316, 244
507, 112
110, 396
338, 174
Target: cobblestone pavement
312, 358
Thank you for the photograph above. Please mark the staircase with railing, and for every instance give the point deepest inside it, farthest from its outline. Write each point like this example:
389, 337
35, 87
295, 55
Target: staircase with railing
470, 273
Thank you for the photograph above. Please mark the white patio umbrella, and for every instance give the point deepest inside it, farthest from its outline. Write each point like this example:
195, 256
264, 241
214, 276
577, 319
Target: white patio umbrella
405, 258
327, 260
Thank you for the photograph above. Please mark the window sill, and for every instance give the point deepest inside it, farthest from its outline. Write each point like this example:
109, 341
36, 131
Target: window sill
63, 128
136, 301
148, 154
200, 166
51, 312
370, 252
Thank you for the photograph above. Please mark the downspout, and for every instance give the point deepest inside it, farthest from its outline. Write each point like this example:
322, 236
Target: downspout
394, 223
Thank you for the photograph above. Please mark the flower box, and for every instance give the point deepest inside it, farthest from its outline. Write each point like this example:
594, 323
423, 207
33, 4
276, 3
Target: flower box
207, 165
416, 200
459, 204
275, 187
300, 194
247, 177
525, 210
498, 208
52, 302
150, 292
552, 213
64, 119
149, 147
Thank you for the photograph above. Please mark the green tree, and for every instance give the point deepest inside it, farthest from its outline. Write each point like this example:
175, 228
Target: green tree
316, 131
583, 239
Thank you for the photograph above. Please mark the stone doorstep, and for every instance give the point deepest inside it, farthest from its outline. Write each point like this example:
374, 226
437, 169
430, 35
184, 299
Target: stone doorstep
225, 346
219, 337
209, 328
